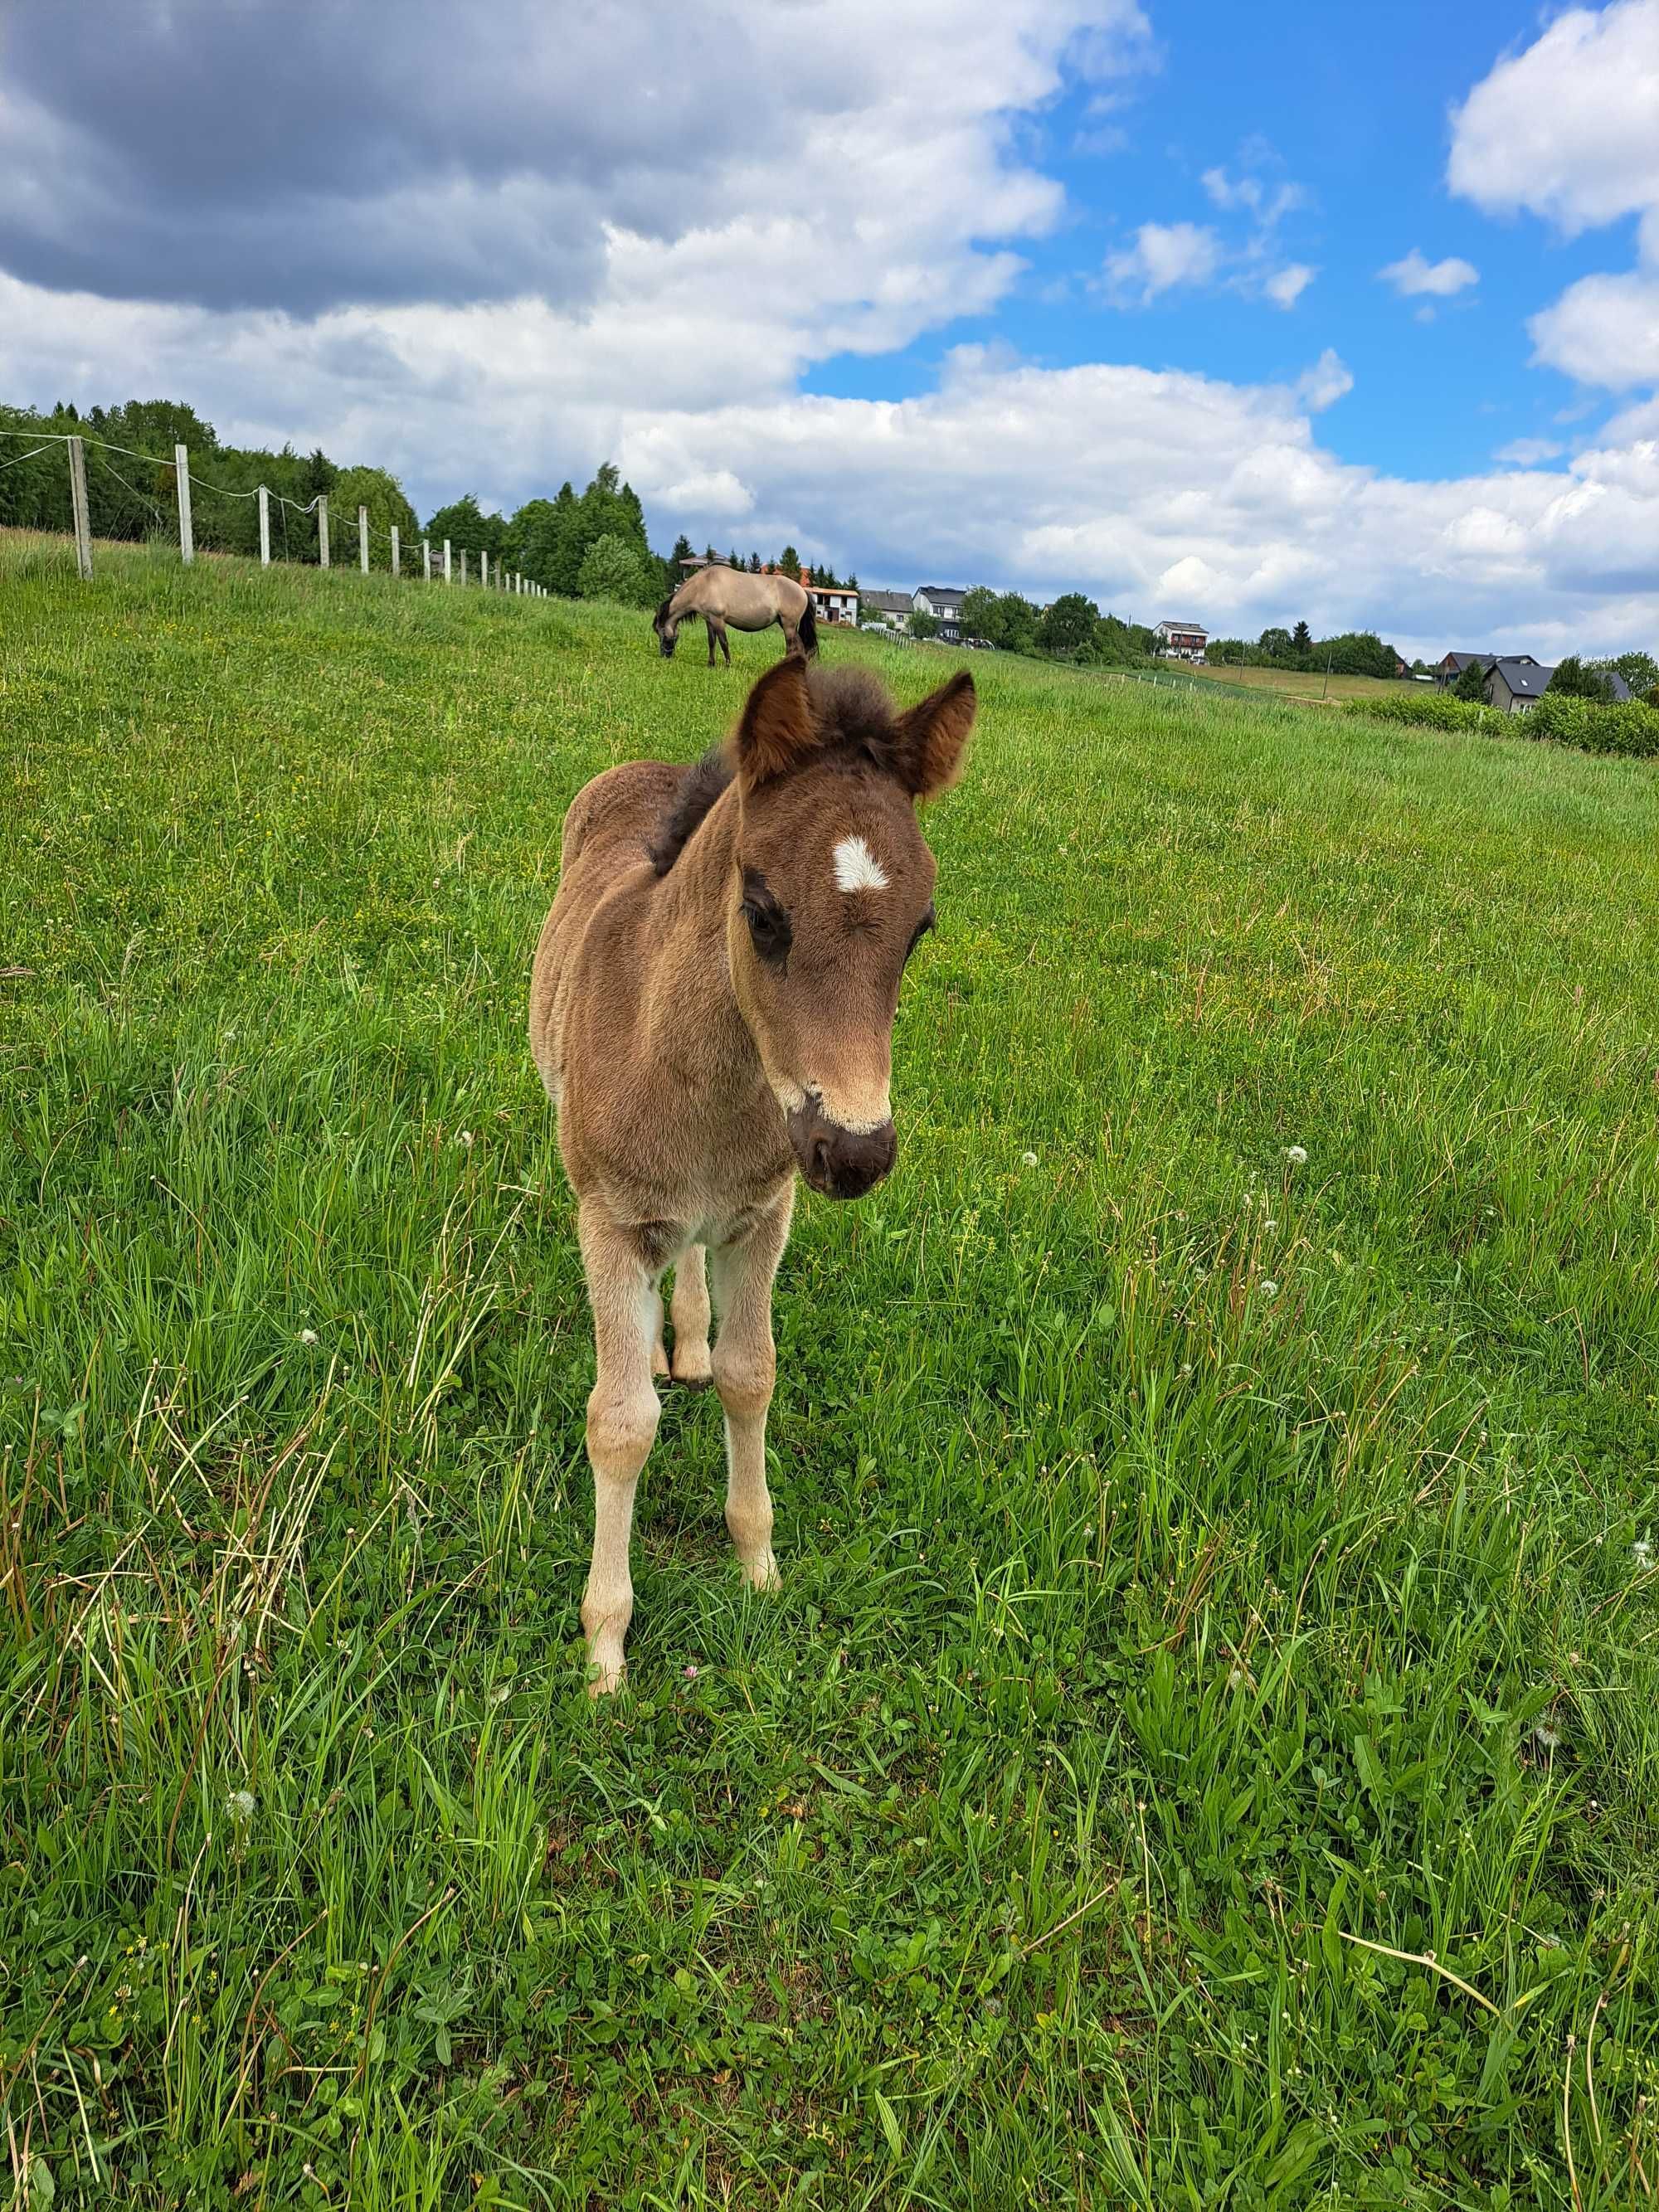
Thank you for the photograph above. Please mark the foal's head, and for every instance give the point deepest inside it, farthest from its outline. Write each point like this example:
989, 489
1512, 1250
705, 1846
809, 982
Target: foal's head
832, 891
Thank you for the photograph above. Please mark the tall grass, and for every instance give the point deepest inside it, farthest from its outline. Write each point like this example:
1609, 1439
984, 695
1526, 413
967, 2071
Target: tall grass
1206, 1749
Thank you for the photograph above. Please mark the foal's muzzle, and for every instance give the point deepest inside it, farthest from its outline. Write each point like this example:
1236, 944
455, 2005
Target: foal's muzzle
840, 1162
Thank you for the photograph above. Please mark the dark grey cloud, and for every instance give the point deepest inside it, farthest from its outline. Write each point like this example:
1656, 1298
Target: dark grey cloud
301, 153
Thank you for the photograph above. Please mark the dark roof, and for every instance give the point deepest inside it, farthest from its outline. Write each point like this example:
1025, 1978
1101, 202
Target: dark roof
890, 602
1170, 623
1622, 690
941, 591
1460, 661
1525, 678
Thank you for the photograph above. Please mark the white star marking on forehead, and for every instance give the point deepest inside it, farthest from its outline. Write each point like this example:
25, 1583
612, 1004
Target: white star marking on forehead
857, 868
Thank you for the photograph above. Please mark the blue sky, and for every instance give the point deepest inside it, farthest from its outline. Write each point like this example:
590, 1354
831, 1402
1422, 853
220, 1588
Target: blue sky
1052, 294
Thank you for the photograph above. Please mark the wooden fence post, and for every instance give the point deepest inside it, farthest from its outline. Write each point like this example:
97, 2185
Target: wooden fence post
362, 539
449, 571
322, 529
83, 513
426, 559
397, 554
265, 527
181, 478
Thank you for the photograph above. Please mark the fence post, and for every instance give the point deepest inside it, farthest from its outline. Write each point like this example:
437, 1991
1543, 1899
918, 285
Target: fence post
449, 570
397, 554
464, 564
362, 539
426, 559
483, 567
265, 527
77, 461
322, 529
181, 478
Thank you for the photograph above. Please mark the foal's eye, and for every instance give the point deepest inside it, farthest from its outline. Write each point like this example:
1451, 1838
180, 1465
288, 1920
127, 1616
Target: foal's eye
768, 925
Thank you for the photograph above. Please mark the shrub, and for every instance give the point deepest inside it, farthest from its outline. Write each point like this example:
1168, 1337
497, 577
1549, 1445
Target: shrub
1558, 719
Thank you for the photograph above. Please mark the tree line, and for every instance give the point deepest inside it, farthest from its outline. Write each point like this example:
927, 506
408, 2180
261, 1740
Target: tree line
587, 544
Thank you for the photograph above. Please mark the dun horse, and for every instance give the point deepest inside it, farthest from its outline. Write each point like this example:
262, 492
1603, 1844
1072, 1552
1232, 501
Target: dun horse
722, 596
712, 1008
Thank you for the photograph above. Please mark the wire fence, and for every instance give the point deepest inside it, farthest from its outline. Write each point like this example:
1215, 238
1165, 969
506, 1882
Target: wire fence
173, 513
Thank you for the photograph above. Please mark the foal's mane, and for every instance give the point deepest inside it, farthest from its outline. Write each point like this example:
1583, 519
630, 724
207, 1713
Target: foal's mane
854, 713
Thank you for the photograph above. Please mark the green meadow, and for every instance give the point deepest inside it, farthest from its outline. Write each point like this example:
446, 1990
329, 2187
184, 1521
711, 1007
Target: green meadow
1205, 1752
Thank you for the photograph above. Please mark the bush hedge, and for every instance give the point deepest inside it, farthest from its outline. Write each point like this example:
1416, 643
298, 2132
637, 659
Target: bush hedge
1557, 719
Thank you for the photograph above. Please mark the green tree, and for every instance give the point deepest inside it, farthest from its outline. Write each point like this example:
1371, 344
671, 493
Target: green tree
789, 562
1472, 684
1639, 670
465, 523
754, 564
1301, 638
611, 569
682, 551
1572, 678
1068, 626
982, 615
923, 626
1275, 643
383, 496
1017, 623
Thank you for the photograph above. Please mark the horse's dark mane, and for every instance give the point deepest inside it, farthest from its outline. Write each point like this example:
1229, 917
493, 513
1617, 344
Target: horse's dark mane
700, 787
854, 712
662, 612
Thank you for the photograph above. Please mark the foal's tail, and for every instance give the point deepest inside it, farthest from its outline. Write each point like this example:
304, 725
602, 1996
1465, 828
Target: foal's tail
806, 630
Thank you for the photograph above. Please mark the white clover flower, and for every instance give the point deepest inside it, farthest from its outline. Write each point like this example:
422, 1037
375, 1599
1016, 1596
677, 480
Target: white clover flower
1269, 1288
690, 1672
307, 1336
1028, 1159
1641, 1552
1296, 1155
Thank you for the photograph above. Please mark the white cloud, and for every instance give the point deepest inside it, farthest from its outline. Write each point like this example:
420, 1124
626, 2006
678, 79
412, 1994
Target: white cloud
1164, 255
1528, 452
1269, 203
1414, 274
1286, 286
1568, 128
1603, 330
1328, 380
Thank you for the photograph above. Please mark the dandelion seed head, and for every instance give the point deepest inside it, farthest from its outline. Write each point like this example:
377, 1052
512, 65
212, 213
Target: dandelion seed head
1269, 1288
1641, 1553
1296, 1155
1028, 1159
307, 1336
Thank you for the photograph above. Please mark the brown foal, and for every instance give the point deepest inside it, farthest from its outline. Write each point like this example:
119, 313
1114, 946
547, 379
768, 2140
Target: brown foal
712, 1008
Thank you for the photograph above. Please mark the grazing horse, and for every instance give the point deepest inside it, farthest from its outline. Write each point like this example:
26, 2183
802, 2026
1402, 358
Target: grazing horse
722, 596
712, 1008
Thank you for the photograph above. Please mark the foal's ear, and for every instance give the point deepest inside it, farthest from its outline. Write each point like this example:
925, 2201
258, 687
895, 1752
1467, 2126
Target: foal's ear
776, 729
930, 743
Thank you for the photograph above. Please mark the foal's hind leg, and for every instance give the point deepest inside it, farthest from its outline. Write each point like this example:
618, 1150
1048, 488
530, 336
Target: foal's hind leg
745, 1366
622, 1426
691, 1313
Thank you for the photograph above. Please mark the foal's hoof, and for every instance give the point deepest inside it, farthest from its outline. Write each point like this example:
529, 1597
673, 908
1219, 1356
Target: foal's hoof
692, 1370
761, 1573
606, 1671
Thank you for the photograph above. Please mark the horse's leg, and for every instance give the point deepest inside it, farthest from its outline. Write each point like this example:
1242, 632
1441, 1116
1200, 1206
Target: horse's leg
690, 1311
659, 1354
745, 1366
709, 624
726, 645
790, 636
621, 1425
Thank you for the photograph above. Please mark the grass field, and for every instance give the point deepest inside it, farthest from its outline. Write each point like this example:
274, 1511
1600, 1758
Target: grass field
1295, 683
1206, 1750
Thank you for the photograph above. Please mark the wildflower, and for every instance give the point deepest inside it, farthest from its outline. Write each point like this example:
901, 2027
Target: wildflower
464, 1141
1296, 1155
1546, 1737
1028, 1159
1641, 1552
307, 1336
1269, 1288
1267, 1221
690, 1672
239, 1807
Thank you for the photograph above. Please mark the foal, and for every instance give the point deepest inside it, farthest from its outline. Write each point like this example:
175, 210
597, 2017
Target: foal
712, 1007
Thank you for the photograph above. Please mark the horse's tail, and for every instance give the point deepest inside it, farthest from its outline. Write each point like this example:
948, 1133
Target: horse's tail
806, 630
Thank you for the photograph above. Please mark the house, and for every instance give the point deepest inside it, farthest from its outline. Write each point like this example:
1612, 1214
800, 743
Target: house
1622, 694
1514, 685
944, 602
833, 603
892, 608
1182, 641
1448, 669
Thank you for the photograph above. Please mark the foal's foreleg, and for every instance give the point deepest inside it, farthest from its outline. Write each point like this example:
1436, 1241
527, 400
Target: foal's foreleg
691, 1313
621, 1425
745, 1366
